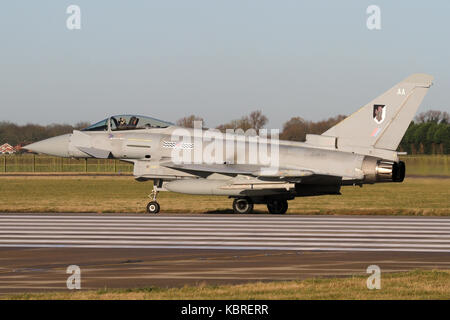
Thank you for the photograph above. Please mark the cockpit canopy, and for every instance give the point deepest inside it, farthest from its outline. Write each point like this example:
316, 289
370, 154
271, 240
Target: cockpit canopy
127, 122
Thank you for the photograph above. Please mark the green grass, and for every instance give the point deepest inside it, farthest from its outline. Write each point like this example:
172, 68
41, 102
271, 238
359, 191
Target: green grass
427, 165
418, 284
415, 196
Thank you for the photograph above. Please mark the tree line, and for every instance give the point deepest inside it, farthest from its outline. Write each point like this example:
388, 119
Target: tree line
15, 134
429, 133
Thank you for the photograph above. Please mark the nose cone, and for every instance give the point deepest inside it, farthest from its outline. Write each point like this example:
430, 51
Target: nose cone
56, 146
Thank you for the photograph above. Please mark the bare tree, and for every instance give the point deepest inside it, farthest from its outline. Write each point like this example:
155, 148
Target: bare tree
432, 116
81, 125
256, 120
296, 128
188, 122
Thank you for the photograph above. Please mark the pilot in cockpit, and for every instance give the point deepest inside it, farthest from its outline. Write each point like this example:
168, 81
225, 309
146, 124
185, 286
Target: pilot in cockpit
122, 123
133, 122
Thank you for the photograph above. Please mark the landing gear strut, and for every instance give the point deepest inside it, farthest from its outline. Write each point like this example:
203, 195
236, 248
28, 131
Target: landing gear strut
277, 206
153, 206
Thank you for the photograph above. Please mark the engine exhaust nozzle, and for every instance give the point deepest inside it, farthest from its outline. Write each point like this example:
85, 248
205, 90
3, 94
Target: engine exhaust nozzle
376, 170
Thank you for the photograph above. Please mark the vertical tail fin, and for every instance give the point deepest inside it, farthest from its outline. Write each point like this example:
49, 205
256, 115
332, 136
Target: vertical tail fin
382, 122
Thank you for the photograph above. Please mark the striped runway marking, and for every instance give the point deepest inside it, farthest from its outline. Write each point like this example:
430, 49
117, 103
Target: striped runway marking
331, 233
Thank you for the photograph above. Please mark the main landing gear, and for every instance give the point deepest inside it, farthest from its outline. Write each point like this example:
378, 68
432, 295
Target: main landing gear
244, 205
277, 206
153, 206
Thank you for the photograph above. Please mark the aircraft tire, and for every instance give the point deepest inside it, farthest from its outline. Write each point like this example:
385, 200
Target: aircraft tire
277, 206
153, 207
242, 205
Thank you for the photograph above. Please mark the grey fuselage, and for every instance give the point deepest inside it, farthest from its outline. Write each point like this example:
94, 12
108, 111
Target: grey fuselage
358, 150
303, 169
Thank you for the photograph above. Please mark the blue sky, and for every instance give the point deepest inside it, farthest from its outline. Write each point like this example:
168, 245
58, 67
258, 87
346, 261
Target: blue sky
216, 59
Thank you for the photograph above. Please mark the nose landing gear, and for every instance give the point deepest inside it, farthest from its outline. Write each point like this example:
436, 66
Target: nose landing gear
153, 206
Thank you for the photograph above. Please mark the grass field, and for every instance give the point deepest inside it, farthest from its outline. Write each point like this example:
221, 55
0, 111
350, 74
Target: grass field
427, 165
417, 284
424, 165
415, 196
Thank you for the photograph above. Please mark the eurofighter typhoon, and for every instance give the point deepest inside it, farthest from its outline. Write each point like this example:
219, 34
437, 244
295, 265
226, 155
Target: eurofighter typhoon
254, 168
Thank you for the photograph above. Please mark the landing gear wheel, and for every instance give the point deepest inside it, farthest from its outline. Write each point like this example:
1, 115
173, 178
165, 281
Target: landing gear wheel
277, 206
153, 207
242, 206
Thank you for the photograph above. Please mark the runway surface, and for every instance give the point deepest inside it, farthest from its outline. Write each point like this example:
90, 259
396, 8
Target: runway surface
118, 250
227, 232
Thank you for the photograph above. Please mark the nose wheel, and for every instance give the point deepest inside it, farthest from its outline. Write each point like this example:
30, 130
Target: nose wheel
153, 206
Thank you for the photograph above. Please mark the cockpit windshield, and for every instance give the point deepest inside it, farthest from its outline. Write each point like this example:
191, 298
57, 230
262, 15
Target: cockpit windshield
99, 126
128, 122
133, 122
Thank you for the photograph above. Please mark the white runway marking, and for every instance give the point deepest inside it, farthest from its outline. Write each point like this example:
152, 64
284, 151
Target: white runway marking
201, 230
223, 218
230, 232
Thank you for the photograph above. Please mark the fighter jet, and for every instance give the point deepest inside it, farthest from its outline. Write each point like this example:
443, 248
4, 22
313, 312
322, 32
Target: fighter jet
254, 169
